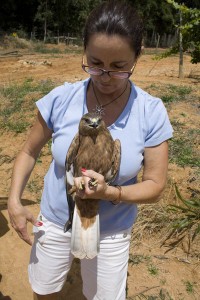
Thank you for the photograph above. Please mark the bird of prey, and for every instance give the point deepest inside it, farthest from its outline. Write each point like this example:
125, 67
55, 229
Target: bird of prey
92, 148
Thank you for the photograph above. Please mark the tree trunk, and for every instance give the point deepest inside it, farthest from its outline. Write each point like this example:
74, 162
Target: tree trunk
181, 73
58, 39
157, 42
45, 22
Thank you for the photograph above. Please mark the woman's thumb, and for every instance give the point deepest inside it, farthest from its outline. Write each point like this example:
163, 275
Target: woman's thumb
35, 222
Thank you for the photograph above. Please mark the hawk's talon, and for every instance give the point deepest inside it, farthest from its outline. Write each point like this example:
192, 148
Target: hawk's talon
93, 182
82, 186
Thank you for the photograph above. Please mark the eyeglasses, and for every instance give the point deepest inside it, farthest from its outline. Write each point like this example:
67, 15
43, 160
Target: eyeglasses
113, 74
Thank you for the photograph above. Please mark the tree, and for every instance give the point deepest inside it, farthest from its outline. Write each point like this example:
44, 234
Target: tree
190, 3
189, 29
17, 14
63, 16
157, 15
76, 15
44, 14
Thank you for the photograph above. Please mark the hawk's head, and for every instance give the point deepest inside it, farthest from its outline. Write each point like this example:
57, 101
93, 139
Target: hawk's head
91, 124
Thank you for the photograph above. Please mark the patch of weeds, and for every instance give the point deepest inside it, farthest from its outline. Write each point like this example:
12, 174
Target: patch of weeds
167, 98
170, 93
190, 287
13, 95
17, 127
45, 86
162, 295
49, 143
176, 93
15, 42
186, 221
184, 91
15, 103
5, 159
182, 153
73, 51
137, 259
32, 186
183, 114
41, 48
153, 270
39, 161
152, 51
180, 90
183, 147
151, 219
177, 125
163, 281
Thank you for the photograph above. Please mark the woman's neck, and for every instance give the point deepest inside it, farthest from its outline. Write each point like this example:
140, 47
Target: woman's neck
106, 104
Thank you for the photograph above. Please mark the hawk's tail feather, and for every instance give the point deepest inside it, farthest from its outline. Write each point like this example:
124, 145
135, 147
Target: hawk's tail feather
86, 222
85, 242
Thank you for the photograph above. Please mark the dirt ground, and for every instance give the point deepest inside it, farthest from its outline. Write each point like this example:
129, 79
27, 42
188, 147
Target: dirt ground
172, 275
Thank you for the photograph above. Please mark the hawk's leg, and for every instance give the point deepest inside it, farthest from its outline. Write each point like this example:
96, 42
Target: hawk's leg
93, 182
82, 186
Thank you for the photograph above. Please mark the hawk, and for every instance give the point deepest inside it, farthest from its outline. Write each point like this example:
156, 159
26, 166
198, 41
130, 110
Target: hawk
92, 148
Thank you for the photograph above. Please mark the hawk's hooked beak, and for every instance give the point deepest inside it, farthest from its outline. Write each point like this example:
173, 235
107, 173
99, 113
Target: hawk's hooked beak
94, 123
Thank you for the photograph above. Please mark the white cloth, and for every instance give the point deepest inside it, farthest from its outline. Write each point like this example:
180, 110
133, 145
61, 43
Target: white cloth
104, 277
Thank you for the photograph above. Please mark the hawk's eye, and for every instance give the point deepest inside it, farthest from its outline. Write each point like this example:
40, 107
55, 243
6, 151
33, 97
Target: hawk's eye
87, 121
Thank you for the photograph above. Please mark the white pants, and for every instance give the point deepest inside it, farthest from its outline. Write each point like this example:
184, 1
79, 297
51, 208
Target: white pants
104, 277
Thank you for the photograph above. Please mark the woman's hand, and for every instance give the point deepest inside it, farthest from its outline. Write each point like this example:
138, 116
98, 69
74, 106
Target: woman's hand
24, 164
19, 217
91, 185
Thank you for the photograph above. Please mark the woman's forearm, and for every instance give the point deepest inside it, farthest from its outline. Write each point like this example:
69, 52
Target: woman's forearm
23, 167
140, 193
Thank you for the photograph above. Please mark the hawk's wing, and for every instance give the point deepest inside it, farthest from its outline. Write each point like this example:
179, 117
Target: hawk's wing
116, 158
69, 163
69, 167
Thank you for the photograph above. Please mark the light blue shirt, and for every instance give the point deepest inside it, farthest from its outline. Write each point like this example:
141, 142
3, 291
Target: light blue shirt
143, 123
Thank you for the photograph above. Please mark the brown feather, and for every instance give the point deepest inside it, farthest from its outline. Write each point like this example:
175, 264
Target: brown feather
92, 148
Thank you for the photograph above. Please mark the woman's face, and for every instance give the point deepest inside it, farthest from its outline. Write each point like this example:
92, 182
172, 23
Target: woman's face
109, 53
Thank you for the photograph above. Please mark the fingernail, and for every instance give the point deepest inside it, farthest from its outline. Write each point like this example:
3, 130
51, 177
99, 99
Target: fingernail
83, 170
38, 223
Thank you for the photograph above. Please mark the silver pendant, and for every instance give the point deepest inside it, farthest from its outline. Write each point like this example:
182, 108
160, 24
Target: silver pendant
99, 110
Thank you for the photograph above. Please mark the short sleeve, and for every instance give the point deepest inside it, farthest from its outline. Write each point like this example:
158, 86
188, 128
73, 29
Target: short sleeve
49, 105
159, 128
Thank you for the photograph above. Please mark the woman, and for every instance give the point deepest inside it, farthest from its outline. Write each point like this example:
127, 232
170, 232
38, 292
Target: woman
112, 43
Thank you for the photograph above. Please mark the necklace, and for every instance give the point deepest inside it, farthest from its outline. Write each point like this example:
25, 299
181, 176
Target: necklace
100, 107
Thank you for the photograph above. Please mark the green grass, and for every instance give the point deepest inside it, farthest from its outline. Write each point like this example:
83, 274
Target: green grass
153, 270
176, 93
74, 51
183, 148
190, 287
18, 103
160, 295
32, 186
170, 93
49, 144
137, 259
153, 51
186, 220
41, 48
17, 127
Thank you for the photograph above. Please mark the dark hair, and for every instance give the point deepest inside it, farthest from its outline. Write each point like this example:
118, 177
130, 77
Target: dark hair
115, 17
